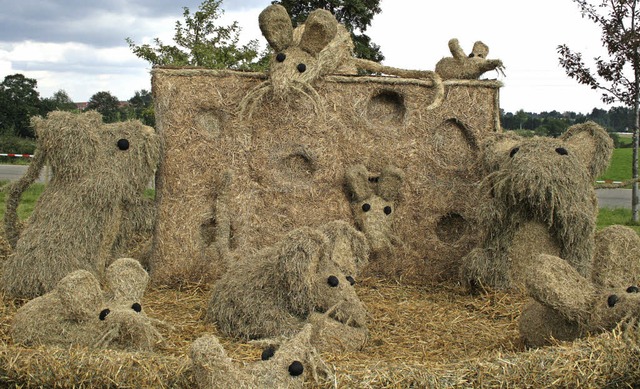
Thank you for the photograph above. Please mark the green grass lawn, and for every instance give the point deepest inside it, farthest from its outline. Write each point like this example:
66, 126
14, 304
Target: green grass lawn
30, 197
620, 166
27, 202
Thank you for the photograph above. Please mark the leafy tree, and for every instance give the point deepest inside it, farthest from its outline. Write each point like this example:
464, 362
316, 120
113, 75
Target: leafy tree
552, 127
200, 42
107, 104
19, 101
618, 78
356, 15
59, 101
621, 119
141, 107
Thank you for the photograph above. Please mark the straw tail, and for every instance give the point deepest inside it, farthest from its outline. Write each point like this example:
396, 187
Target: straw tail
12, 230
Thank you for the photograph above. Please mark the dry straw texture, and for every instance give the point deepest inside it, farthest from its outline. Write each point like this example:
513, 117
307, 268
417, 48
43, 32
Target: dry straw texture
539, 198
77, 312
100, 172
273, 292
436, 336
289, 365
289, 164
426, 336
568, 305
467, 67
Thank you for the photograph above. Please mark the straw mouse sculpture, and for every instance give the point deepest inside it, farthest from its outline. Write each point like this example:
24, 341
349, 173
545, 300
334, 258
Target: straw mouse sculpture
290, 365
274, 291
463, 67
567, 305
319, 47
540, 199
373, 203
96, 195
78, 312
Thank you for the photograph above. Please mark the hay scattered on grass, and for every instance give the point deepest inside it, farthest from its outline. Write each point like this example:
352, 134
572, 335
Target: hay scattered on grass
434, 336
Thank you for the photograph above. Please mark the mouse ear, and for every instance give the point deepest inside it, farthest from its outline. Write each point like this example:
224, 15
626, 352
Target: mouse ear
80, 294
319, 29
357, 183
592, 144
276, 27
480, 48
127, 280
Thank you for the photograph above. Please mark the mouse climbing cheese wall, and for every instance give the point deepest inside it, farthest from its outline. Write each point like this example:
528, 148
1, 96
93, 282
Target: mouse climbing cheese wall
237, 174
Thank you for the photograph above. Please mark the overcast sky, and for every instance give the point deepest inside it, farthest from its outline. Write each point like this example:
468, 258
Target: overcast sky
79, 46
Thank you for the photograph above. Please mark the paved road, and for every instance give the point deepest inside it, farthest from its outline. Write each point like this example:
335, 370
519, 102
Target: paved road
610, 198
14, 172
614, 198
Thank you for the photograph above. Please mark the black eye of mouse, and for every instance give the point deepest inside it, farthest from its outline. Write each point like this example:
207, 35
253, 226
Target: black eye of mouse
302, 67
471, 55
481, 55
104, 313
333, 281
366, 207
123, 144
514, 151
387, 210
137, 307
562, 151
280, 57
351, 280
296, 368
268, 353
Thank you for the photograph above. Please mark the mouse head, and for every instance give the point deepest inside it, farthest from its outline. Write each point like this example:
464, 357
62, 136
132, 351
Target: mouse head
122, 320
297, 55
103, 161
76, 312
283, 364
132, 151
70, 142
546, 174
588, 307
313, 282
373, 203
480, 50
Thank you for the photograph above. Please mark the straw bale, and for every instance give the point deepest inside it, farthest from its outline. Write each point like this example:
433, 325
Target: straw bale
290, 365
289, 281
99, 171
289, 164
78, 312
462, 66
538, 199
